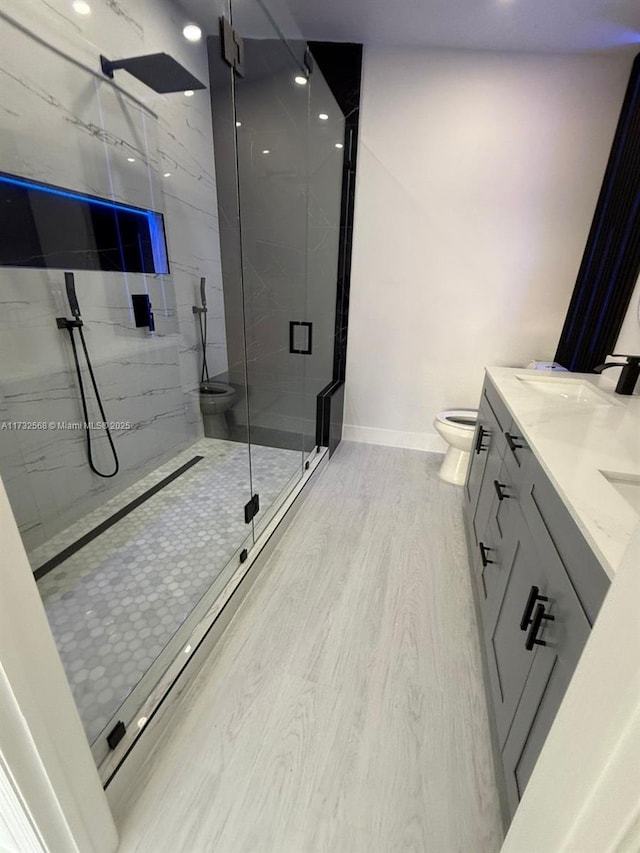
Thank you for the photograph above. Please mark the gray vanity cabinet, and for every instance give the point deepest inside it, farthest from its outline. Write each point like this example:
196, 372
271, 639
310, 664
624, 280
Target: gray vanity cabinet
538, 584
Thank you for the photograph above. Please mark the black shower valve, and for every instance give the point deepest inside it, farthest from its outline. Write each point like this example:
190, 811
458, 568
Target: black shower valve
142, 312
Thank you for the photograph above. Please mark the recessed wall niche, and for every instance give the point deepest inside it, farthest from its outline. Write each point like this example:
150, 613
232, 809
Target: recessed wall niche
45, 226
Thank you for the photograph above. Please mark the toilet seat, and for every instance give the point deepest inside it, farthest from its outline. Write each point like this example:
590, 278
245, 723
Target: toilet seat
461, 418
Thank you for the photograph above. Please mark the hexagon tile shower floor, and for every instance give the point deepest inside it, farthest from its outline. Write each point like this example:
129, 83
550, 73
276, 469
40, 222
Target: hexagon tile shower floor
115, 603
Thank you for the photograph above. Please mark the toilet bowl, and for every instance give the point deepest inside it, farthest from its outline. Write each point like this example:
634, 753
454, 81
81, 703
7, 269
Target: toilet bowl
456, 426
215, 399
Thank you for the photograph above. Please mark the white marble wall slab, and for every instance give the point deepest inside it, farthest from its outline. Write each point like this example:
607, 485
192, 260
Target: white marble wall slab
64, 123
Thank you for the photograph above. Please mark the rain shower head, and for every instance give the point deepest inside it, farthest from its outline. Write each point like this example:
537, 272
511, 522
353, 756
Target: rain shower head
159, 71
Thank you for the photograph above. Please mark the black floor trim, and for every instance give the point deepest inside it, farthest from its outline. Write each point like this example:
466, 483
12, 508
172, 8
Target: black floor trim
67, 552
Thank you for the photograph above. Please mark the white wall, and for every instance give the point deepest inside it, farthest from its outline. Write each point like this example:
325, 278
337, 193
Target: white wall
478, 175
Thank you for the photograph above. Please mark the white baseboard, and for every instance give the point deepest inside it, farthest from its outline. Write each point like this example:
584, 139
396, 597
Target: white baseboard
430, 442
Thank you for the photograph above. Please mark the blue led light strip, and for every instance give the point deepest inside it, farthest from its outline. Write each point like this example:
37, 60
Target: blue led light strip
45, 188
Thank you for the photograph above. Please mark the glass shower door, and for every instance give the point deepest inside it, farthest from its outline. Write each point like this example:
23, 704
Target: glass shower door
272, 121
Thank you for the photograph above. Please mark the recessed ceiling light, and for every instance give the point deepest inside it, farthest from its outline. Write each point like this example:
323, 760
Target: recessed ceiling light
189, 93
167, 174
187, 649
131, 159
301, 81
266, 151
238, 124
323, 116
192, 32
141, 722
339, 145
81, 7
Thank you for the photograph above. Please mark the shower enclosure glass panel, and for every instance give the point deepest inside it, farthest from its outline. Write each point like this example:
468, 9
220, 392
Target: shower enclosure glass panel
127, 565
290, 154
272, 120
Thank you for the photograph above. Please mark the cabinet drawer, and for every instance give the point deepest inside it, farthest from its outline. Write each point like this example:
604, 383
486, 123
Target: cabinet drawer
517, 455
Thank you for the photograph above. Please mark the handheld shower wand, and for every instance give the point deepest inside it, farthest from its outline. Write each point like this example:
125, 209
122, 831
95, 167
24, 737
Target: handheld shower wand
204, 374
72, 297
203, 292
70, 325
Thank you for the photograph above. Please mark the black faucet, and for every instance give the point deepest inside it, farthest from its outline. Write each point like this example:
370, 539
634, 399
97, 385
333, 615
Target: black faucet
629, 375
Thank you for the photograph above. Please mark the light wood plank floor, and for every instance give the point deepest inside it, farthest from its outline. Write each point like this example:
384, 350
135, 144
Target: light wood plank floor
344, 709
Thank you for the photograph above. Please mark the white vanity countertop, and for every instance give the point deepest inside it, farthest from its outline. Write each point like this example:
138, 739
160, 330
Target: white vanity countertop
574, 441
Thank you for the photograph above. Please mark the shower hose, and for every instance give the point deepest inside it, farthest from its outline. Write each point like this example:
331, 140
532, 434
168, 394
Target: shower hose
87, 428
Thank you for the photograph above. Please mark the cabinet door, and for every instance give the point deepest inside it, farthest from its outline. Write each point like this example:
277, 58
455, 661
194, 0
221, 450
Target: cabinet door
479, 452
486, 493
551, 669
501, 531
549, 519
508, 661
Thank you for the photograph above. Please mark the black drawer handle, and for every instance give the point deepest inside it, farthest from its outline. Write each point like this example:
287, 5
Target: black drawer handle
534, 595
480, 438
500, 487
512, 442
532, 636
483, 555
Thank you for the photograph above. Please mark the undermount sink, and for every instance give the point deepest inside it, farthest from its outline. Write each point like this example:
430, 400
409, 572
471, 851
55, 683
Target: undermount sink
627, 486
571, 390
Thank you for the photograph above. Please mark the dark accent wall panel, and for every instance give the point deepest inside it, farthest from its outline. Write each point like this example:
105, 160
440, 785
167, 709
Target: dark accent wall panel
341, 65
611, 261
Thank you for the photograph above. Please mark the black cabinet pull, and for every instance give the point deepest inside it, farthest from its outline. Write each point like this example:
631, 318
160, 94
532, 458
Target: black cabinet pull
511, 441
534, 595
499, 487
480, 438
483, 555
532, 636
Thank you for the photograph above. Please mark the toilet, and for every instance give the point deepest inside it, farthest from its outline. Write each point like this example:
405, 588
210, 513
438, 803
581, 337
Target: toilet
456, 426
215, 399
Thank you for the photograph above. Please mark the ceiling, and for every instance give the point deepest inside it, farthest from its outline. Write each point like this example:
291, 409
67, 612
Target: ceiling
546, 26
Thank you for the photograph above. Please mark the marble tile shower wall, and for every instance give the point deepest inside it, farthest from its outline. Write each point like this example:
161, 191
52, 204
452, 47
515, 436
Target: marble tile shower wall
63, 125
